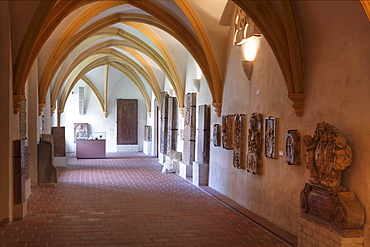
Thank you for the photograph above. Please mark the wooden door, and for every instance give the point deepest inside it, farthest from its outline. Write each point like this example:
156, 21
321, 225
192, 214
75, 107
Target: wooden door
127, 121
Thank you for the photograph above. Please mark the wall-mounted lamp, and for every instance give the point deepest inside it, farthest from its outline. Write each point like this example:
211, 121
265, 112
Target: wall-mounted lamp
247, 68
250, 47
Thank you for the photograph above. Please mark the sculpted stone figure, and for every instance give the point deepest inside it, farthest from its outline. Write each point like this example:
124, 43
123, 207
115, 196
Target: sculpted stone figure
327, 155
324, 199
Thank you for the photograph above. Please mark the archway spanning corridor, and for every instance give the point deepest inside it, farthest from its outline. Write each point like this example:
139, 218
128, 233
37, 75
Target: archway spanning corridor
125, 200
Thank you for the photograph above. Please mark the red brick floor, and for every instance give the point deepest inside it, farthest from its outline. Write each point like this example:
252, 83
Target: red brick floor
125, 200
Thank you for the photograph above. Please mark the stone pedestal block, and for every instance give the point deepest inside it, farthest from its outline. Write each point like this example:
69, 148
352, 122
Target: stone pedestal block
21, 180
20, 210
147, 147
185, 170
312, 234
60, 161
336, 208
200, 174
161, 158
127, 148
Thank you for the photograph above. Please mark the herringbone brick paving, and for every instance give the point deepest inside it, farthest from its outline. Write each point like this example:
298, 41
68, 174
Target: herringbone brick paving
125, 200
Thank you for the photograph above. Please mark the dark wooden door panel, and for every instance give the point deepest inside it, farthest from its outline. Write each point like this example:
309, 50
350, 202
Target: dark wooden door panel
127, 121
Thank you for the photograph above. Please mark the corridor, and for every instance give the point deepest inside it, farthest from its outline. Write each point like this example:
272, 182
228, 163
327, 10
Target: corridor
125, 200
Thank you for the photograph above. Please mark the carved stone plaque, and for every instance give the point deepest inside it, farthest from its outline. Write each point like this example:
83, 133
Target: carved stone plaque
227, 131
204, 118
59, 141
172, 124
327, 155
324, 199
147, 133
270, 137
217, 135
189, 128
164, 123
239, 141
255, 143
293, 147
127, 121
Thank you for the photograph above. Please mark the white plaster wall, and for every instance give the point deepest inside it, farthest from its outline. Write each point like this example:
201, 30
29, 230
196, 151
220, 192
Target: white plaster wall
337, 92
120, 87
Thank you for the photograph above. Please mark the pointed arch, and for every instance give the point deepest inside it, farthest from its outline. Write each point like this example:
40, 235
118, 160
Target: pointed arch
90, 64
150, 78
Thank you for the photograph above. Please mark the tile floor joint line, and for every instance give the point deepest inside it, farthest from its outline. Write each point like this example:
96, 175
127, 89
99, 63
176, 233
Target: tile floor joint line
249, 218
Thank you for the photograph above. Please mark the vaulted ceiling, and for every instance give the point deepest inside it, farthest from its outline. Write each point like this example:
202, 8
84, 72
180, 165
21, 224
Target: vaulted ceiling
139, 38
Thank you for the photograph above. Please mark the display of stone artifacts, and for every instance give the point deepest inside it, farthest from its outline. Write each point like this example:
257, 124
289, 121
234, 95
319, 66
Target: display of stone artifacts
270, 137
255, 143
216, 135
81, 131
293, 147
228, 132
239, 141
324, 199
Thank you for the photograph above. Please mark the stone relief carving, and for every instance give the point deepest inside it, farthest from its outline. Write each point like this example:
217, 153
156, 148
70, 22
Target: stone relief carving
189, 128
148, 133
327, 155
164, 123
203, 140
293, 147
217, 135
255, 143
239, 141
172, 124
227, 131
270, 137
324, 199
81, 131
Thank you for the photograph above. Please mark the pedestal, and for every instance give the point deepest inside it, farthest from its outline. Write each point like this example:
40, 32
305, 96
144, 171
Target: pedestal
312, 234
186, 170
161, 158
335, 208
20, 210
60, 161
147, 147
200, 174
